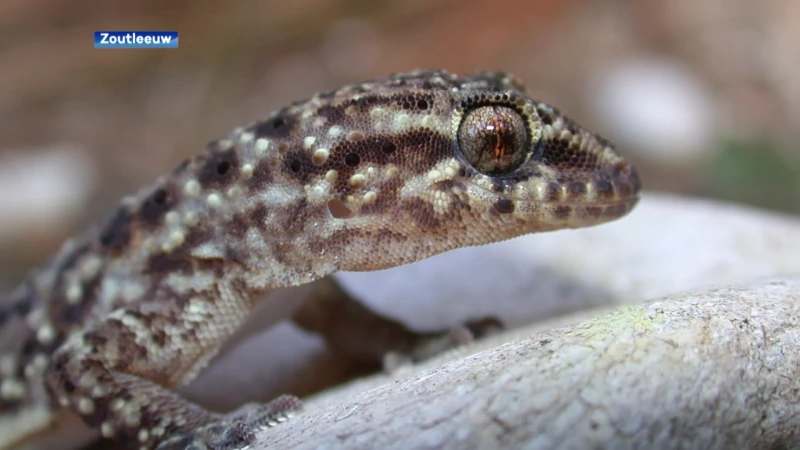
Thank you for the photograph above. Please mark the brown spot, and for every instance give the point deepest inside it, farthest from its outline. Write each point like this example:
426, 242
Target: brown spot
385, 235
422, 213
158, 265
66, 313
621, 169
414, 102
94, 338
59, 363
571, 125
368, 101
593, 211
562, 212
293, 219
58, 307
552, 192
299, 164
165, 263
504, 206
624, 189
333, 114
576, 189
258, 216
545, 116
219, 169
237, 227
277, 127
116, 234
603, 188
195, 237
388, 147
501, 185
283, 253
262, 175
157, 204
232, 254
413, 150
568, 155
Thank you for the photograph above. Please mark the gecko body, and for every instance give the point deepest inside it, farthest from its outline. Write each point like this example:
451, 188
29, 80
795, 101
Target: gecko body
369, 176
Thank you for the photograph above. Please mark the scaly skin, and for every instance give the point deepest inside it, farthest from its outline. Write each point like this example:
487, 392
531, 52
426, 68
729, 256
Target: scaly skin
370, 176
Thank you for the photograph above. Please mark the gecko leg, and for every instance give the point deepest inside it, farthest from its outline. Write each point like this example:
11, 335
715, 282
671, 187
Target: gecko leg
351, 328
118, 375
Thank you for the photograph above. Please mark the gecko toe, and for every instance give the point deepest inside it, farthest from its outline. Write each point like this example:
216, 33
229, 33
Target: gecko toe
237, 429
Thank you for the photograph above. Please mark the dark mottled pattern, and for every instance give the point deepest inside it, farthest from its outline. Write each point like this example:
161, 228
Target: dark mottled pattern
155, 205
280, 125
116, 234
220, 168
504, 206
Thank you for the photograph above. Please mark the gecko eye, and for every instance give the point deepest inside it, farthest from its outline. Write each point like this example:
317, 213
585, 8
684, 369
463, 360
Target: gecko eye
493, 139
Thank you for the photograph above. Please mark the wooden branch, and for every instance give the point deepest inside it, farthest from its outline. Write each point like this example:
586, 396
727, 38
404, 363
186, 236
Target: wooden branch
709, 369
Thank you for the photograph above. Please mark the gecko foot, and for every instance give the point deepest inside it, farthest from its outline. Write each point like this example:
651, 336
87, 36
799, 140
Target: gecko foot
441, 342
237, 429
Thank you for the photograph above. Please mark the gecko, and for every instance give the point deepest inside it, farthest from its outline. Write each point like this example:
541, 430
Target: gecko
366, 177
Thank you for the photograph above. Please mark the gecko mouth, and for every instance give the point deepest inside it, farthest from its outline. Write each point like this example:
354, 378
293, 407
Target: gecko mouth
614, 185
591, 193
573, 203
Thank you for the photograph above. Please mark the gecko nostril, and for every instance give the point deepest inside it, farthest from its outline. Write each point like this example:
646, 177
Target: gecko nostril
295, 165
339, 210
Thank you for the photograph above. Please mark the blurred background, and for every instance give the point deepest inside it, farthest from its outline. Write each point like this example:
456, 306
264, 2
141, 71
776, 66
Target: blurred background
704, 96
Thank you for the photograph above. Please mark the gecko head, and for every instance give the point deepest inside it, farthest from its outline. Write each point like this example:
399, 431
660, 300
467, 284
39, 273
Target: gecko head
396, 170
534, 169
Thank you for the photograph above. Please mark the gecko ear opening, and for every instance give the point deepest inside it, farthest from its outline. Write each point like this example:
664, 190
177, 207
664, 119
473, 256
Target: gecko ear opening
339, 210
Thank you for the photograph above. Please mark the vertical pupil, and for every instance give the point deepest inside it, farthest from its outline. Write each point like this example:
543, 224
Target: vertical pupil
497, 144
